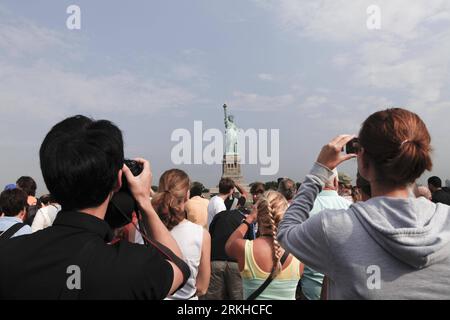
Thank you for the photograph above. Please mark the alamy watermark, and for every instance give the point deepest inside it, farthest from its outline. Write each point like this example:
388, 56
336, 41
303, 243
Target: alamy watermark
374, 17
74, 279
374, 278
207, 147
73, 21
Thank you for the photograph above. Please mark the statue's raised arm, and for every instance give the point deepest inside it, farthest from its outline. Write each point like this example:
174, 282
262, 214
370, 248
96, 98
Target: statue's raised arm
226, 115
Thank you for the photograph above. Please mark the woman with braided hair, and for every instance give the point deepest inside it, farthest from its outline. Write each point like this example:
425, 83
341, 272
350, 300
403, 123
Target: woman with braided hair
193, 240
261, 258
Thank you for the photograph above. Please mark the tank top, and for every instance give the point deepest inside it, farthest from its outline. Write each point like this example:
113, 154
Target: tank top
189, 237
283, 287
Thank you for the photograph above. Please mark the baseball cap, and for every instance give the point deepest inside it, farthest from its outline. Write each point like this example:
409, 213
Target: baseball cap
10, 186
344, 178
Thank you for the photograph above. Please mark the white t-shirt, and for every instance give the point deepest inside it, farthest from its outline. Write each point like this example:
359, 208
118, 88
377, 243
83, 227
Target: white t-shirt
45, 216
216, 205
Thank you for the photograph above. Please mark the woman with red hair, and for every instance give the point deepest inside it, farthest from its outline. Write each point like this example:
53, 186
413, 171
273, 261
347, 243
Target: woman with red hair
392, 246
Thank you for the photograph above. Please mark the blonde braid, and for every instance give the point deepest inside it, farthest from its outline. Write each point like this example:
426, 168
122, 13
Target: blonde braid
271, 208
276, 248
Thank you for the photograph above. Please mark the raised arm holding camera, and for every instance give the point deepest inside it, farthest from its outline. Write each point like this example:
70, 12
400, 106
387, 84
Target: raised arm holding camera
391, 246
82, 163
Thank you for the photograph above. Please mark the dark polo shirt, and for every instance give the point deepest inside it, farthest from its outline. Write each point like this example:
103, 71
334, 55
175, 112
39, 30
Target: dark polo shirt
221, 228
36, 266
441, 196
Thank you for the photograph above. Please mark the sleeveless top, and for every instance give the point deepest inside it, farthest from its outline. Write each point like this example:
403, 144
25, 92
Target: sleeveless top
283, 287
189, 237
45, 216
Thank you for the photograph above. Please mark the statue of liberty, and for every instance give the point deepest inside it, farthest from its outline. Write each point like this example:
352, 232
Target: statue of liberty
231, 133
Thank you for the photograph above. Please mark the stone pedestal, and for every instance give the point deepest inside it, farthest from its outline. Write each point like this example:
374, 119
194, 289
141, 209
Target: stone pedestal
231, 167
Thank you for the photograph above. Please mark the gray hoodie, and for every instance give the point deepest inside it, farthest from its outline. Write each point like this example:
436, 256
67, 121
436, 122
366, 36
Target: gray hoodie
384, 248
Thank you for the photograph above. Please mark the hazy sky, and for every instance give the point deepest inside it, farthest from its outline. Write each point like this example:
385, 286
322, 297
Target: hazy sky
309, 68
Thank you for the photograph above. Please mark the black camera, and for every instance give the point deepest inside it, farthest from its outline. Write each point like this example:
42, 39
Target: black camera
122, 204
135, 168
352, 146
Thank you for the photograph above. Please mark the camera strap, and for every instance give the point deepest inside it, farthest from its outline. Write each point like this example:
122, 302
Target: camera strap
172, 257
162, 249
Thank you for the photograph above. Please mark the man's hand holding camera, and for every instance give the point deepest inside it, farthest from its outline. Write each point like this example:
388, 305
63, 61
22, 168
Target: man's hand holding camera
140, 186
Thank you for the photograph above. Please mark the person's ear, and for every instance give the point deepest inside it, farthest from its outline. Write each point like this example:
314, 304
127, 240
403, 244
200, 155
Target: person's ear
119, 181
22, 214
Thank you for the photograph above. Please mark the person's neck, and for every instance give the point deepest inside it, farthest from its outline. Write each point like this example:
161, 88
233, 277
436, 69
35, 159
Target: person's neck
379, 190
20, 216
328, 189
99, 211
223, 196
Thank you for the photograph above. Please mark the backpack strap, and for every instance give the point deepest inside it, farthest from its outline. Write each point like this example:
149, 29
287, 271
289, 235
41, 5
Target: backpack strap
7, 234
269, 279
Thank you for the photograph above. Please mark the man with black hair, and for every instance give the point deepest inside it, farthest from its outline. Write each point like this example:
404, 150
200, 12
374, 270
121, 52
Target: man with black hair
13, 204
437, 194
28, 185
226, 282
82, 162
